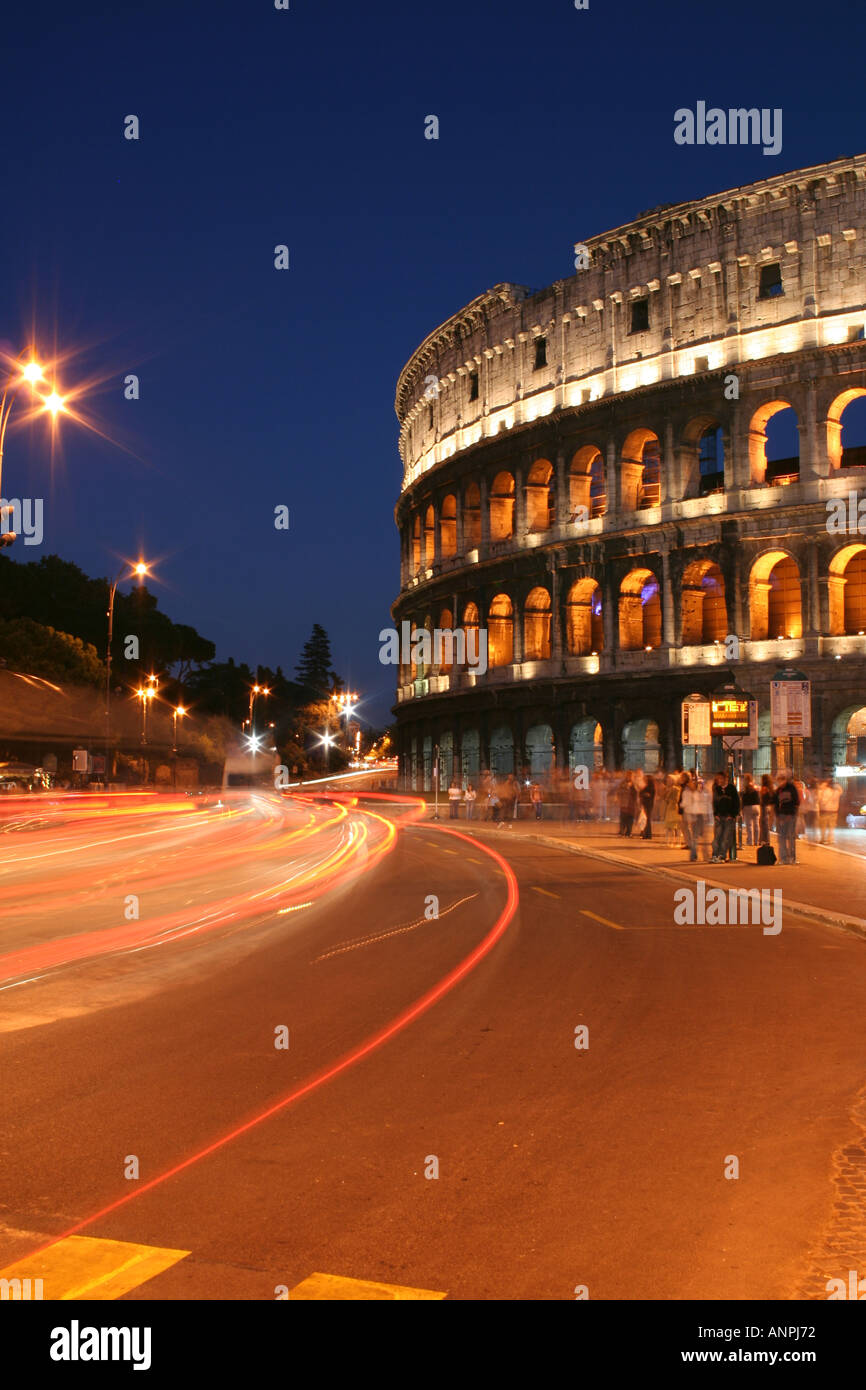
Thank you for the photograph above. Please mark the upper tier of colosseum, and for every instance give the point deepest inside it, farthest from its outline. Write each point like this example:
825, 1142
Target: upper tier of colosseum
774, 267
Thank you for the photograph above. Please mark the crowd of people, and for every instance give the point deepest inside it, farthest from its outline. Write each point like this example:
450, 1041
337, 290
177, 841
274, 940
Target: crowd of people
697, 814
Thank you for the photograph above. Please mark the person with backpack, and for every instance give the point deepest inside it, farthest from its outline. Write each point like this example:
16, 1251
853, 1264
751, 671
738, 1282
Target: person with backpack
787, 804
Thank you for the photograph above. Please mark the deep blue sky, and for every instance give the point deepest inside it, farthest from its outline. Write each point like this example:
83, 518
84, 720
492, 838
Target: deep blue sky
306, 127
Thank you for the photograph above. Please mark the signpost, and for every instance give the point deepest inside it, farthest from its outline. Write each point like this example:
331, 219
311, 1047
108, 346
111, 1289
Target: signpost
734, 718
696, 725
790, 709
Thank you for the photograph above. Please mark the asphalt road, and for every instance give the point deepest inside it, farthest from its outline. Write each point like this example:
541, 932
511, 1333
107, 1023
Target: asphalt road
448, 1038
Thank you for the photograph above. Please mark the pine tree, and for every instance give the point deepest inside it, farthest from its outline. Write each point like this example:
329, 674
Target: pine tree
314, 667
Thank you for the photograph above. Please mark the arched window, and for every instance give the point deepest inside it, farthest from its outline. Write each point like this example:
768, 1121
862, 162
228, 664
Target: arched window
429, 536
540, 499
774, 597
536, 626
446, 619
586, 483
711, 462
470, 629
705, 616
502, 507
640, 470
847, 585
584, 625
416, 544
448, 527
472, 517
846, 429
500, 631
640, 611
774, 448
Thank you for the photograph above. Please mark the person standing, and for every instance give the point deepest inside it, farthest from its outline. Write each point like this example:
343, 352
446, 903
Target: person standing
787, 805
536, 796
726, 808
469, 797
829, 796
627, 805
646, 797
767, 806
691, 807
672, 818
454, 795
751, 809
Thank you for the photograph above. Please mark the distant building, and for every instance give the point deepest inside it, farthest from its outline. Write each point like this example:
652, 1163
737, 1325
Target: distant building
588, 478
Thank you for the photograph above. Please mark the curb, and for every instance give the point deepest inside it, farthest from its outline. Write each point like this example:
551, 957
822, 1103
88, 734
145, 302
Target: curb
857, 925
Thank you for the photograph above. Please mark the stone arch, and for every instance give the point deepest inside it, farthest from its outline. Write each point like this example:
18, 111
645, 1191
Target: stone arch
640, 612
502, 507
502, 751
416, 543
762, 469
640, 745
540, 496
429, 536
586, 487
702, 455
583, 618
841, 454
847, 590
705, 617
586, 745
446, 622
472, 517
539, 750
470, 754
640, 470
848, 737
470, 627
500, 631
775, 605
536, 625
448, 527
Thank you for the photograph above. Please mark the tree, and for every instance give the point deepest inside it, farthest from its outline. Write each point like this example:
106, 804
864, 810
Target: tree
314, 666
38, 650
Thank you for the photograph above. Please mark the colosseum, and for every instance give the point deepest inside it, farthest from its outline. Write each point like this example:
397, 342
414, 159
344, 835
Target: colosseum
618, 475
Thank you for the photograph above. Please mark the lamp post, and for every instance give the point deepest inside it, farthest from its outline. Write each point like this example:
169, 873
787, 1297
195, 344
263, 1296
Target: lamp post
31, 373
139, 571
255, 691
176, 714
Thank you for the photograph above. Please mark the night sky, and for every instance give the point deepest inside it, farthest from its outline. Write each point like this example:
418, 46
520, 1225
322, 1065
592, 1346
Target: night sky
306, 127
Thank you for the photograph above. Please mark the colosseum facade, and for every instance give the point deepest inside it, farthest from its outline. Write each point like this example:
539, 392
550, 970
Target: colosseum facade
589, 475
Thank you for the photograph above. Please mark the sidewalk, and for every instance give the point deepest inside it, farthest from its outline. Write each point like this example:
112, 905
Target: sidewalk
827, 882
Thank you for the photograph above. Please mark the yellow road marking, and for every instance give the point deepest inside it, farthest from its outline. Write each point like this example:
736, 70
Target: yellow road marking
449, 851
536, 889
86, 1267
335, 1287
616, 926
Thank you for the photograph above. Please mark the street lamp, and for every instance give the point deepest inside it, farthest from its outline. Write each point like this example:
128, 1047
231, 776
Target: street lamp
145, 694
138, 571
256, 690
176, 714
31, 373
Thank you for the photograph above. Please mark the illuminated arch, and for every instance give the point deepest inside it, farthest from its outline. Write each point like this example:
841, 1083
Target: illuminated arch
847, 591
586, 481
640, 611
446, 620
500, 631
704, 614
416, 544
835, 425
583, 618
448, 527
761, 469
502, 507
536, 625
775, 605
640, 470
472, 517
429, 536
540, 500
